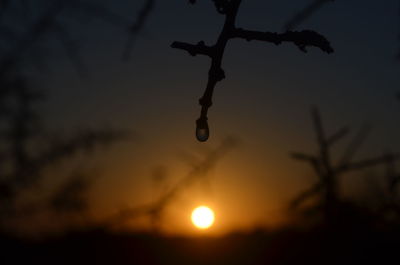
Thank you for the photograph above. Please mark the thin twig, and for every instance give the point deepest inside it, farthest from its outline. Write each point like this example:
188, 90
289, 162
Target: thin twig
216, 74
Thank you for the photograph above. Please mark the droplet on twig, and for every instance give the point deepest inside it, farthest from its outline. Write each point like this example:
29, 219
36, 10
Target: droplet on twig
202, 134
202, 130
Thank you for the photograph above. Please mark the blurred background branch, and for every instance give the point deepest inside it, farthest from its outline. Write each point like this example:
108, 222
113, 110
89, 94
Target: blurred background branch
199, 171
326, 189
26, 149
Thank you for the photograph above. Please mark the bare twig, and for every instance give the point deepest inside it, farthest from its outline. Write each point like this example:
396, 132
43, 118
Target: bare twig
230, 9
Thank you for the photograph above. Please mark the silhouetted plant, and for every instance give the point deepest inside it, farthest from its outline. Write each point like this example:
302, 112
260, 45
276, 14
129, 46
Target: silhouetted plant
328, 171
199, 170
310, 10
216, 74
25, 161
24, 156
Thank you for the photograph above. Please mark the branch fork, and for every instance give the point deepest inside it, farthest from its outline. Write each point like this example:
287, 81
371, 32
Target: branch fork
230, 8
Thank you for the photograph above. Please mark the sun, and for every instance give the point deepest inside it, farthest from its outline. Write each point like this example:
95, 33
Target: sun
203, 217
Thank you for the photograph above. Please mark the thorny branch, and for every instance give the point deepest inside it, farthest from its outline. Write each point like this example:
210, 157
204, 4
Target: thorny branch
216, 74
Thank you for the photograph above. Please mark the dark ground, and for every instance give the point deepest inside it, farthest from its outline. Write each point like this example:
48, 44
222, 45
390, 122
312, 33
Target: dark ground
357, 244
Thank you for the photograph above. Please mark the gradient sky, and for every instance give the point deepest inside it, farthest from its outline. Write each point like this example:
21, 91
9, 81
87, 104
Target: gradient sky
265, 101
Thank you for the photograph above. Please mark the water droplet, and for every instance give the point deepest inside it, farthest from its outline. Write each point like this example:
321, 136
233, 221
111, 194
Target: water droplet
202, 134
202, 130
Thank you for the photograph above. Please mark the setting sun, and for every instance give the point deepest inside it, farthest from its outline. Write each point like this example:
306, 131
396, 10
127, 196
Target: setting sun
202, 217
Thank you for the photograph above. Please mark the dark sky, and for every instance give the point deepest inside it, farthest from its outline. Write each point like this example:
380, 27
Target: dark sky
265, 100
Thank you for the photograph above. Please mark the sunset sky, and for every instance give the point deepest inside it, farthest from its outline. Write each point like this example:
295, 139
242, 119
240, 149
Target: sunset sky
264, 101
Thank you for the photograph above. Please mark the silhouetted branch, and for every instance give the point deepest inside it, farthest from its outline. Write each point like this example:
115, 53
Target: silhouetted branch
230, 9
319, 129
20, 134
313, 160
301, 39
28, 162
24, 158
21, 125
194, 50
338, 135
309, 11
328, 172
355, 144
324, 155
